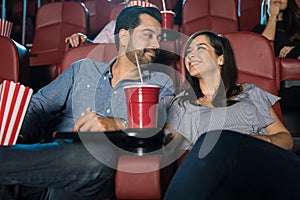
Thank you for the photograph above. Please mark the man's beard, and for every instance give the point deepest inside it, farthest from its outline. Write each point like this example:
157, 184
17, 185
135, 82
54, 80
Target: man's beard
143, 60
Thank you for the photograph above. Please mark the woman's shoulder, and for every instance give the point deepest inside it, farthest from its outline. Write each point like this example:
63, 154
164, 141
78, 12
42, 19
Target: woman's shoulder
249, 91
256, 94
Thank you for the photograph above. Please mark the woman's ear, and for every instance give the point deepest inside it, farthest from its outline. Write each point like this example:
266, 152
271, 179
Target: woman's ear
221, 60
124, 38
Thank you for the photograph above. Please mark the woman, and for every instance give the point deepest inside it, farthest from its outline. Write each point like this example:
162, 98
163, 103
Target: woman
242, 160
280, 22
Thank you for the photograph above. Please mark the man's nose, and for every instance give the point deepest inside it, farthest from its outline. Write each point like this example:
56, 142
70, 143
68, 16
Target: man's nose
155, 43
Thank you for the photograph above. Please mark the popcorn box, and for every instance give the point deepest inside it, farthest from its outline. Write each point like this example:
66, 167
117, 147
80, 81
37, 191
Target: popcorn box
5, 27
14, 101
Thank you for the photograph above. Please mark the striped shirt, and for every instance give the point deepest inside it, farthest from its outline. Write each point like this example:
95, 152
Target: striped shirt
250, 115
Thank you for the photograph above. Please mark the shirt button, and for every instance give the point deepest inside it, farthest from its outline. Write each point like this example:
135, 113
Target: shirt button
115, 92
88, 86
108, 111
104, 78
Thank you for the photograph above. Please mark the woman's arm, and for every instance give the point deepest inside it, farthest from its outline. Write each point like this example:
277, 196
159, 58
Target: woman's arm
270, 30
277, 133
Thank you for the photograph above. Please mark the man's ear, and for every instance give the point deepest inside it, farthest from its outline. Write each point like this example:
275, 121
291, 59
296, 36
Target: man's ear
124, 37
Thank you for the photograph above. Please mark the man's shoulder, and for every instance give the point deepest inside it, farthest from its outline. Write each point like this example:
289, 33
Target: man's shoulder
88, 64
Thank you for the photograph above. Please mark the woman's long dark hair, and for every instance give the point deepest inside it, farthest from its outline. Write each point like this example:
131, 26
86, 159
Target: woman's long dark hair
291, 19
229, 72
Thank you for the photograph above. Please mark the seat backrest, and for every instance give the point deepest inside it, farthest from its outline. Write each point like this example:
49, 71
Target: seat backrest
14, 61
256, 62
211, 15
97, 52
249, 11
54, 22
99, 12
115, 11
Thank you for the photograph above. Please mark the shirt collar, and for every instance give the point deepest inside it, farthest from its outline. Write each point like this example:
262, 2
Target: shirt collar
107, 72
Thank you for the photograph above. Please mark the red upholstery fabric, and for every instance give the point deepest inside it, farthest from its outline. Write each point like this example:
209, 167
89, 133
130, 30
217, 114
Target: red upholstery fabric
138, 177
290, 69
54, 22
96, 52
290, 72
209, 15
249, 14
115, 11
14, 61
99, 11
256, 62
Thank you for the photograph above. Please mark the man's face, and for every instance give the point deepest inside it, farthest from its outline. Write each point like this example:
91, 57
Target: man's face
144, 40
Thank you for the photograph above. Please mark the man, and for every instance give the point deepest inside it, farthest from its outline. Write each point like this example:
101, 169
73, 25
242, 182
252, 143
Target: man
82, 93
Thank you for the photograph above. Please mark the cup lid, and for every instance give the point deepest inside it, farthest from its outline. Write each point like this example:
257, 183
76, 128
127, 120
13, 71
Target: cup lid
167, 11
141, 85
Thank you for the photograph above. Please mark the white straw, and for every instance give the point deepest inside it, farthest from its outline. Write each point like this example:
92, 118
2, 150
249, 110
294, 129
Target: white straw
139, 68
164, 5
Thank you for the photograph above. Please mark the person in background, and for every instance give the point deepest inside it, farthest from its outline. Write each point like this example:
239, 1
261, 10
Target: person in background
280, 22
106, 35
87, 96
239, 147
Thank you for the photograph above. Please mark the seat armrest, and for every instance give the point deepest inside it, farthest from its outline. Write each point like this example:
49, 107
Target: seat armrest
138, 177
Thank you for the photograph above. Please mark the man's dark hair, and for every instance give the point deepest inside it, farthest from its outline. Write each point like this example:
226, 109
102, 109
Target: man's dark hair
129, 19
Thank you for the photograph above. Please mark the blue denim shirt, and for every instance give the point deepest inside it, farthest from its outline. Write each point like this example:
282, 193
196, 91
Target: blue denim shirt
85, 84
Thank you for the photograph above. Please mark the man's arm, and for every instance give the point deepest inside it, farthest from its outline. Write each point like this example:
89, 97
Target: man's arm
45, 104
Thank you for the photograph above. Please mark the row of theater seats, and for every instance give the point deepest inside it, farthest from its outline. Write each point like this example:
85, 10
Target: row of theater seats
256, 64
55, 21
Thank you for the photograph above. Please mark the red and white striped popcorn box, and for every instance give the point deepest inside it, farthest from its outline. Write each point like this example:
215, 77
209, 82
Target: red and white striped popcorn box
6, 27
14, 101
141, 3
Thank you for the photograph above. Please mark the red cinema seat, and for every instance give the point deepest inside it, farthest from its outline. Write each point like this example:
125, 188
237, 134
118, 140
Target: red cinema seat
249, 14
256, 62
211, 15
54, 22
14, 61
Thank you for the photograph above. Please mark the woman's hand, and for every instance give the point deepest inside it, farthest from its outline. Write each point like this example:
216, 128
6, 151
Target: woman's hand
91, 121
285, 51
273, 11
266, 138
76, 39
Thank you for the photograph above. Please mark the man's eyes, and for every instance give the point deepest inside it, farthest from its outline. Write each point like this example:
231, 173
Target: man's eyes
150, 36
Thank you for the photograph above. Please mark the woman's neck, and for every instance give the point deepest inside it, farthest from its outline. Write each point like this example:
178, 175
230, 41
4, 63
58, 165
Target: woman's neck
209, 86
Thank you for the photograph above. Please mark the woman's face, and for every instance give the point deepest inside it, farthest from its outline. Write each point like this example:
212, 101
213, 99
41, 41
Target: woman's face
282, 4
201, 59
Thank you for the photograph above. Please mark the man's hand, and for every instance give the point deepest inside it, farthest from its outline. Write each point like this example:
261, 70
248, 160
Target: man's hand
76, 39
91, 121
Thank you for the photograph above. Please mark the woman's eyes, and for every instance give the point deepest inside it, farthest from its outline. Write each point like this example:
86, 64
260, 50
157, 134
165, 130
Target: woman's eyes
198, 48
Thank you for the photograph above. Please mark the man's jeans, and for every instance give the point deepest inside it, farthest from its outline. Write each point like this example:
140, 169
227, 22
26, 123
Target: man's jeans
59, 166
